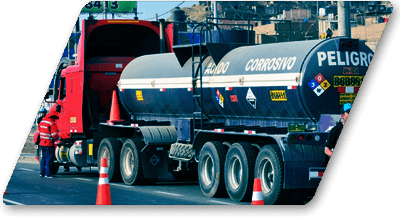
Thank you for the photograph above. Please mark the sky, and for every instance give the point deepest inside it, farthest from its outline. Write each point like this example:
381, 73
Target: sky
148, 9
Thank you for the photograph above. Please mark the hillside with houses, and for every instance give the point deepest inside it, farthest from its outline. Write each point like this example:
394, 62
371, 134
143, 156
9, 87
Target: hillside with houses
281, 21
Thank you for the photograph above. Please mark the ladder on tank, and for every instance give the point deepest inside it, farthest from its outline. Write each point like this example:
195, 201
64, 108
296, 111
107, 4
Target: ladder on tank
197, 76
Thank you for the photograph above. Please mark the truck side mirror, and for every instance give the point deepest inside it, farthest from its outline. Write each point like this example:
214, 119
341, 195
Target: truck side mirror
47, 95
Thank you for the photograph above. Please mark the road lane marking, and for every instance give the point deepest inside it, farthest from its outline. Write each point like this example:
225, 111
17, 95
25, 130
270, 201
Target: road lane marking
219, 202
83, 179
167, 193
125, 186
26, 169
12, 202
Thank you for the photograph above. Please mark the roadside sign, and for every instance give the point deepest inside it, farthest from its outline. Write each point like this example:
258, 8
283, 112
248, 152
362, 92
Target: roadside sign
112, 6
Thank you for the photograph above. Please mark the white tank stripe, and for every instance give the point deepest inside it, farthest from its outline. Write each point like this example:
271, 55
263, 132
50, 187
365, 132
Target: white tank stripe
250, 80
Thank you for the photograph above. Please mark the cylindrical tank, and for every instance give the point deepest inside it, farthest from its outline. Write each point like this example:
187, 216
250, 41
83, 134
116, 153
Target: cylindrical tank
178, 15
62, 154
293, 81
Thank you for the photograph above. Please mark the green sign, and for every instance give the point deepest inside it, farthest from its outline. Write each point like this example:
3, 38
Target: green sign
111, 6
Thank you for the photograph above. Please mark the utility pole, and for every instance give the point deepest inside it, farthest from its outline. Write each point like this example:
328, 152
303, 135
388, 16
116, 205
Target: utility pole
344, 18
215, 12
104, 11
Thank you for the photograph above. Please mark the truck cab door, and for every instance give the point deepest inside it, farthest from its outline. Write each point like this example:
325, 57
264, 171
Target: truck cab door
61, 122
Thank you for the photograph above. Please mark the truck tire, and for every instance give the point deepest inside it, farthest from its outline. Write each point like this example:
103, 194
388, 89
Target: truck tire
110, 148
131, 162
269, 168
211, 169
181, 150
239, 171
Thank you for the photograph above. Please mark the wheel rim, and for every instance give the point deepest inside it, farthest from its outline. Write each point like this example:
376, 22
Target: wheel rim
129, 162
208, 170
267, 175
235, 172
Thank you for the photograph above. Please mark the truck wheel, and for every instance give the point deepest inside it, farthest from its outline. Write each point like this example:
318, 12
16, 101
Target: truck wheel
211, 169
239, 171
269, 168
131, 162
110, 148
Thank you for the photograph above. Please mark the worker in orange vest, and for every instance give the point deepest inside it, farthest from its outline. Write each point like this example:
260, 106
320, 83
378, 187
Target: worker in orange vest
48, 135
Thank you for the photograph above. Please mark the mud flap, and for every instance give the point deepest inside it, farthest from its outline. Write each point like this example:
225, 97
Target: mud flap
155, 162
300, 160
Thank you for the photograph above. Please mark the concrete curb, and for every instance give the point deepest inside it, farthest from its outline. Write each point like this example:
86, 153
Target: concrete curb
27, 158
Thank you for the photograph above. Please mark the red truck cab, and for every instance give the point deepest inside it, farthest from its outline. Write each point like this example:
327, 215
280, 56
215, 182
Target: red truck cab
105, 48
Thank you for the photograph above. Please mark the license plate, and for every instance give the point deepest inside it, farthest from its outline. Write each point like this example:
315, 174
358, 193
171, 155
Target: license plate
347, 81
297, 127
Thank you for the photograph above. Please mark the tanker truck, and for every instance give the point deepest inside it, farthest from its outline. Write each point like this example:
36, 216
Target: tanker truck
220, 113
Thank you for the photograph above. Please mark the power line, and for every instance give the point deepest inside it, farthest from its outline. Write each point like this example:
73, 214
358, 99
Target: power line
235, 10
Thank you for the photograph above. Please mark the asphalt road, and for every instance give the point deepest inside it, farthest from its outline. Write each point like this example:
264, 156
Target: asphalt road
26, 187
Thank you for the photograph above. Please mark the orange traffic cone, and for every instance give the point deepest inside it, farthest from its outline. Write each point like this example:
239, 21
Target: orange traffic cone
103, 190
257, 198
114, 113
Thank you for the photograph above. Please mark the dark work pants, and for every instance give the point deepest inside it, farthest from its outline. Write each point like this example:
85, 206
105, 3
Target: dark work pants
47, 161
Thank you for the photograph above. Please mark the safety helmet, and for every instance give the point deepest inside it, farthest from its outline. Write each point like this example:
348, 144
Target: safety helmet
53, 112
346, 108
43, 110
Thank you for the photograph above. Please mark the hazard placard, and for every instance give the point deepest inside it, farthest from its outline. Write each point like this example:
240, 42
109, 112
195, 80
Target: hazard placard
219, 98
319, 78
234, 98
251, 98
319, 84
319, 90
325, 84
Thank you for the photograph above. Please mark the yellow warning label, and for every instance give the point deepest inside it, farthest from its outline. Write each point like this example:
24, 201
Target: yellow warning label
347, 98
90, 149
63, 152
325, 84
347, 81
139, 95
278, 95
